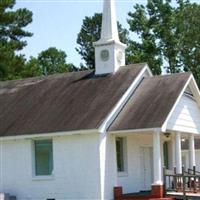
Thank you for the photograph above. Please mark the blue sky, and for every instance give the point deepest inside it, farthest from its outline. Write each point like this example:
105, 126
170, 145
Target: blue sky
56, 23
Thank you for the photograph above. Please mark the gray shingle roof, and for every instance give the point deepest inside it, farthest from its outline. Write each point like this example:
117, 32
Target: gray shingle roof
81, 101
151, 102
64, 102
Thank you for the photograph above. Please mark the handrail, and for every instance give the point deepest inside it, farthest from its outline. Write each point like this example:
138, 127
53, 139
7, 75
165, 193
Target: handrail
184, 182
194, 171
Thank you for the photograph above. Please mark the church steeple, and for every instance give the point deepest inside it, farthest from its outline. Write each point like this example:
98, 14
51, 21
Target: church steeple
109, 23
109, 51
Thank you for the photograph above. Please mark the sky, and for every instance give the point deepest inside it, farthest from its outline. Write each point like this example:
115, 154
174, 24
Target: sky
56, 23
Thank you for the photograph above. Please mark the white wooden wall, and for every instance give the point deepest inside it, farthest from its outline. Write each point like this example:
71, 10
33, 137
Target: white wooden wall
76, 169
131, 180
186, 116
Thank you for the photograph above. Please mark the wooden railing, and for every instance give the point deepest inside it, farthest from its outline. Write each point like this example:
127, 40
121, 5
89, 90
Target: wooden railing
193, 171
186, 182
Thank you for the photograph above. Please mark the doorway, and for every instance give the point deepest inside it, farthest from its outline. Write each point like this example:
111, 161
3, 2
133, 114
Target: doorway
146, 167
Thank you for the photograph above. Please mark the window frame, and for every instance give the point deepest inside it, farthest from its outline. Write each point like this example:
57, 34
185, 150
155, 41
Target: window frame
34, 175
124, 158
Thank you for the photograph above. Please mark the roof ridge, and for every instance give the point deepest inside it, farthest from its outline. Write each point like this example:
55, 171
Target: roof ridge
42, 77
135, 64
169, 75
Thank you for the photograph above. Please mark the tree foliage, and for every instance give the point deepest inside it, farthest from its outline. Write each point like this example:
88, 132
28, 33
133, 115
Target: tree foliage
12, 34
31, 68
188, 23
12, 24
49, 61
53, 61
168, 35
89, 33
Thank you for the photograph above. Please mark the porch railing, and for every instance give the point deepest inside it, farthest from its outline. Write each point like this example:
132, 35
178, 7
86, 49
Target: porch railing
186, 182
193, 171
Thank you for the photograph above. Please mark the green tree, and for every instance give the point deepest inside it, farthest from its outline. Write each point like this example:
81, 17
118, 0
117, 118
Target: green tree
168, 34
188, 23
49, 61
12, 32
89, 33
53, 61
31, 68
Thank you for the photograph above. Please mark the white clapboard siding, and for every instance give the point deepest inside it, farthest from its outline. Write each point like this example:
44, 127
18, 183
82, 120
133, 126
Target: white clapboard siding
186, 116
75, 175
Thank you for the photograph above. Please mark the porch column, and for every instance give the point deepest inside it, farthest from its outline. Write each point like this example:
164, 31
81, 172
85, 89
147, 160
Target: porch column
173, 153
157, 188
178, 153
157, 159
192, 161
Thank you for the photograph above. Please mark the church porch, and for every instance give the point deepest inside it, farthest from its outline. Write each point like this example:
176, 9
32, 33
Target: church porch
140, 169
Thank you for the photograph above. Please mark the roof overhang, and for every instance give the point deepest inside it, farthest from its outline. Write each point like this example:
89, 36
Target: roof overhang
50, 135
134, 131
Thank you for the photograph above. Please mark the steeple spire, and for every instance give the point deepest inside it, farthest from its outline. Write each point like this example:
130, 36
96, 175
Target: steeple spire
109, 51
109, 23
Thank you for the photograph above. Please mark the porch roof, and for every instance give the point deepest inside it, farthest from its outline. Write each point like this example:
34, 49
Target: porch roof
151, 103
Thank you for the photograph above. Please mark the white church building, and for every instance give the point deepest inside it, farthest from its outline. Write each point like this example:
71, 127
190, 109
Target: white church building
91, 134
